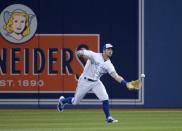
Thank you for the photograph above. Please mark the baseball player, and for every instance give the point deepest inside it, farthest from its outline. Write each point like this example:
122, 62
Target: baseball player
96, 65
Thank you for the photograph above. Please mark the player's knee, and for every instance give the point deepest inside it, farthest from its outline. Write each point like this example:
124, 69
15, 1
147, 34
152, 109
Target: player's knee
104, 98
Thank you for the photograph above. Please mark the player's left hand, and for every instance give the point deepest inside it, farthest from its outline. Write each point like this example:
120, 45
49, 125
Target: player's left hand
134, 85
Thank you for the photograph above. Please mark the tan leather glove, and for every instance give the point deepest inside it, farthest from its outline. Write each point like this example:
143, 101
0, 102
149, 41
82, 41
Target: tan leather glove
134, 85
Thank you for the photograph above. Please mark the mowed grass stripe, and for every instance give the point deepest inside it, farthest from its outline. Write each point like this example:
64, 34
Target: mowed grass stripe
84, 120
98, 129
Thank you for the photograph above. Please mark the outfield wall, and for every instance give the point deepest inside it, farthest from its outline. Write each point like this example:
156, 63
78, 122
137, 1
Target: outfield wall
163, 51
38, 68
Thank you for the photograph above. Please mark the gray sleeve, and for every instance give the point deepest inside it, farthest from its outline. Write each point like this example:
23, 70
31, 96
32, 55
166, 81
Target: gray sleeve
89, 54
110, 68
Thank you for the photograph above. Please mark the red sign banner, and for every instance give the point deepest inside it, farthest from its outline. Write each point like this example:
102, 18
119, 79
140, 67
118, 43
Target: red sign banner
46, 63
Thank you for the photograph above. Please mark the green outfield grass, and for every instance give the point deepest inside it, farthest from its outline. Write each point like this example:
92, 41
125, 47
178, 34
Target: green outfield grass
89, 120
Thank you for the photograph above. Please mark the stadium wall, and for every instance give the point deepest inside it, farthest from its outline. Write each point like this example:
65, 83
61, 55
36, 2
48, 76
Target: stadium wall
63, 26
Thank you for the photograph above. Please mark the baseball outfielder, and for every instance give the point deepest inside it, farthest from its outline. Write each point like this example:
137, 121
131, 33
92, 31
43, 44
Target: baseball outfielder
96, 65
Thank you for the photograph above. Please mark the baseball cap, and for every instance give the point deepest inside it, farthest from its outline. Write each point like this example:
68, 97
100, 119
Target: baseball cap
108, 45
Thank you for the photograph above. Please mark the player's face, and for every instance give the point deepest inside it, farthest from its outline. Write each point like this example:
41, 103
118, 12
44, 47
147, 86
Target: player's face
109, 52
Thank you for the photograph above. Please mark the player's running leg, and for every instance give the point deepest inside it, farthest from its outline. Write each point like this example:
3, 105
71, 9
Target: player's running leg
81, 90
62, 101
101, 93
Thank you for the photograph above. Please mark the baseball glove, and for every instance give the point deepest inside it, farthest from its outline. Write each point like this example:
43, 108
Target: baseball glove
134, 85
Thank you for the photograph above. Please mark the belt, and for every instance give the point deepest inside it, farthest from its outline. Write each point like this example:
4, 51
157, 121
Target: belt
89, 79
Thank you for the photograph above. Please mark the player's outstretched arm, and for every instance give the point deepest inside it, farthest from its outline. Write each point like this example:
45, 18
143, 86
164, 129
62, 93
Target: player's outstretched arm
87, 54
79, 53
117, 77
133, 85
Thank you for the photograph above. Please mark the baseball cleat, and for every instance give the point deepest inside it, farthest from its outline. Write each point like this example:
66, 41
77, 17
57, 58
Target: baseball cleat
60, 105
111, 120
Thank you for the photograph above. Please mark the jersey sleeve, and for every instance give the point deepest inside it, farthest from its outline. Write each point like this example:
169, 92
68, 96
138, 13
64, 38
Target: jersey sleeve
110, 68
89, 54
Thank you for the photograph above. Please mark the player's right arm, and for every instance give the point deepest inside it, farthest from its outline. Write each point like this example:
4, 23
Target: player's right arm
85, 54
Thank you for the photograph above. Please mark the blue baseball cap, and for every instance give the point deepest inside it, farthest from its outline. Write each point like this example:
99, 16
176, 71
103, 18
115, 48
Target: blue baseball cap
108, 45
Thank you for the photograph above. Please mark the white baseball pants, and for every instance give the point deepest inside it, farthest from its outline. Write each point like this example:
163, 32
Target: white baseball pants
84, 86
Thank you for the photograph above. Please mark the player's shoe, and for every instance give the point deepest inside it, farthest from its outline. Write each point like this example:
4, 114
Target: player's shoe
111, 120
60, 105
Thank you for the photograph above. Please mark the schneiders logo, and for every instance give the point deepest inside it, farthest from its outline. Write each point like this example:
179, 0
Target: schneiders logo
18, 23
31, 67
39, 60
